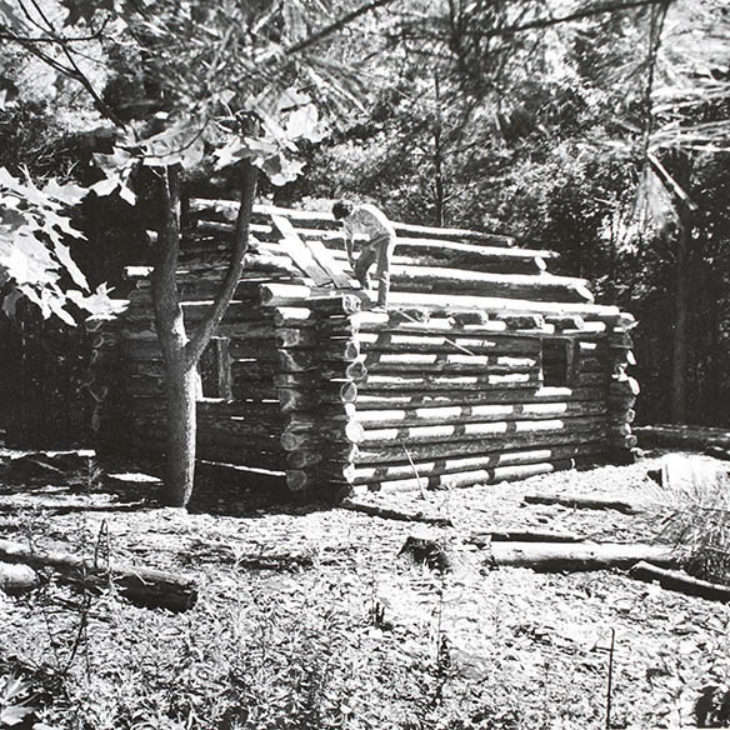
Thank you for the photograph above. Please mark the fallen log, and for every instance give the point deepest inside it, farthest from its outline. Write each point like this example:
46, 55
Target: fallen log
578, 502
686, 437
550, 557
483, 539
675, 580
145, 586
393, 514
65, 507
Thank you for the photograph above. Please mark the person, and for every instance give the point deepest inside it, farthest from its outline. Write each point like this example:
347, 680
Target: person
368, 221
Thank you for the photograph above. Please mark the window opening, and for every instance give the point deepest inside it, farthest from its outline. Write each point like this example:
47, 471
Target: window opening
560, 364
214, 370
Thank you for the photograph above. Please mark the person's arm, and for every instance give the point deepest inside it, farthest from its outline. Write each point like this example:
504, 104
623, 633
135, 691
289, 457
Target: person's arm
347, 233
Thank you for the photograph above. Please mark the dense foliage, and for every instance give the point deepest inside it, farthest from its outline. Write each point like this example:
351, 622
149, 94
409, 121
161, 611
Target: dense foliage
602, 139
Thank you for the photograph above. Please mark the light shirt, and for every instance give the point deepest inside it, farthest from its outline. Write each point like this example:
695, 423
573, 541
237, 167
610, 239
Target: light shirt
369, 222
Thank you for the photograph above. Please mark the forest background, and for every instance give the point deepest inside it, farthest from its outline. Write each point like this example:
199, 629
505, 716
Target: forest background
598, 131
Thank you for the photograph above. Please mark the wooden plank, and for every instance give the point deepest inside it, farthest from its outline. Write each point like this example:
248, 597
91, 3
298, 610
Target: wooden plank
325, 259
300, 254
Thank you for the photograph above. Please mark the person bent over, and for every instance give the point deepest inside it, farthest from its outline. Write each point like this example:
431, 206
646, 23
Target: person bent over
372, 224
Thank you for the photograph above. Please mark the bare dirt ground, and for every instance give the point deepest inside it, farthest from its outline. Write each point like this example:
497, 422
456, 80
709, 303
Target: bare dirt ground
311, 619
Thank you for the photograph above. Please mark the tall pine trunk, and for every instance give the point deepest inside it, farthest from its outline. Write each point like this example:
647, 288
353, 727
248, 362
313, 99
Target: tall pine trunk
681, 300
181, 355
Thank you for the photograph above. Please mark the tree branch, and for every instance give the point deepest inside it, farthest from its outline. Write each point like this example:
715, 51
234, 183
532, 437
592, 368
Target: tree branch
194, 348
539, 23
336, 25
548, 22
74, 72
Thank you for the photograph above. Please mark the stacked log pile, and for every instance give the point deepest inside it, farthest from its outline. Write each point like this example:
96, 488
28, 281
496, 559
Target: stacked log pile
483, 368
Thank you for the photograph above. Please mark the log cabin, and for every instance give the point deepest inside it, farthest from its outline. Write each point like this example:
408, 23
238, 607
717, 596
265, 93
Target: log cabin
484, 367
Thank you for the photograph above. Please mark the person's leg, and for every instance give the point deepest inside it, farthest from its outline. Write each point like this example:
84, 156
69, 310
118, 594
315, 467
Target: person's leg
363, 264
382, 270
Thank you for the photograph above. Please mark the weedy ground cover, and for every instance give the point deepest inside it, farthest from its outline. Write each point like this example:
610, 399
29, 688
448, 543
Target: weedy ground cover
312, 619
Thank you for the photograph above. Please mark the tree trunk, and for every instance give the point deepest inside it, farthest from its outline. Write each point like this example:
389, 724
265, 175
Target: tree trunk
170, 325
438, 158
181, 389
681, 303
181, 355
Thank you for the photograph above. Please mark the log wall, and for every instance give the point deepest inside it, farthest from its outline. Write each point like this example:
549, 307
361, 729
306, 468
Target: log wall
484, 368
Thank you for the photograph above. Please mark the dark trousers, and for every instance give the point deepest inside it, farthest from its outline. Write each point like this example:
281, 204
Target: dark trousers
378, 251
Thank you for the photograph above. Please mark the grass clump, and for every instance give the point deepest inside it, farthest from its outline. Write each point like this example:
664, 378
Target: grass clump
696, 512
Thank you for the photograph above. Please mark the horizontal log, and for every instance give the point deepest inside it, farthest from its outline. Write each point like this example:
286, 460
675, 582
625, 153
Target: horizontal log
293, 337
253, 437
295, 396
472, 463
330, 415
464, 344
267, 410
478, 412
444, 302
562, 323
412, 251
522, 321
208, 426
227, 211
139, 584
551, 557
544, 394
237, 311
677, 581
459, 234
451, 321
467, 479
378, 382
287, 294
305, 381
150, 444
349, 432
386, 362
443, 280
295, 317
472, 431
451, 449
335, 304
